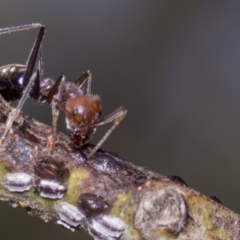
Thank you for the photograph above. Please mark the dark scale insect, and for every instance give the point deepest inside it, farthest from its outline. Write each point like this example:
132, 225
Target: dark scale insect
216, 199
82, 108
52, 176
92, 204
49, 168
104, 162
178, 180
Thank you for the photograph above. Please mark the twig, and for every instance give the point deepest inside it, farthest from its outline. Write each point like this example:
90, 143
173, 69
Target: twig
106, 196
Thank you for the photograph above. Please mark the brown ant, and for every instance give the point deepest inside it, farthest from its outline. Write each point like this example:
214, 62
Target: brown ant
82, 109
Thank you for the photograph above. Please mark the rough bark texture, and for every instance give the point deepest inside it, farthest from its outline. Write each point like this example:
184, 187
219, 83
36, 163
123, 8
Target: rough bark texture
152, 206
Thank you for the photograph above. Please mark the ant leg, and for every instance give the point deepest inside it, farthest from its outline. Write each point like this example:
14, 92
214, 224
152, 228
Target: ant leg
56, 90
60, 104
89, 83
40, 64
86, 76
20, 28
28, 79
33, 57
35, 91
15, 112
81, 79
116, 117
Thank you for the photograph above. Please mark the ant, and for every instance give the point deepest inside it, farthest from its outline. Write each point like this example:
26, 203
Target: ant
82, 108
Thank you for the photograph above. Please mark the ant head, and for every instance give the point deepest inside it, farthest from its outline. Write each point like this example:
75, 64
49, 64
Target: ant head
82, 113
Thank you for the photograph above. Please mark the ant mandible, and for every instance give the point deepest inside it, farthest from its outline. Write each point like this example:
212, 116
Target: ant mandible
82, 109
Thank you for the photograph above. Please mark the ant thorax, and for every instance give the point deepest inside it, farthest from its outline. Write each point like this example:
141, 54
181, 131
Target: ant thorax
45, 87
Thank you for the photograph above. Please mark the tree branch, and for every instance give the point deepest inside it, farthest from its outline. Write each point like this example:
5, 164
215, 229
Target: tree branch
104, 195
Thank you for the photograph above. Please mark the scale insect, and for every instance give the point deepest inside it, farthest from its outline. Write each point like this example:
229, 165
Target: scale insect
82, 108
69, 214
106, 227
50, 188
18, 182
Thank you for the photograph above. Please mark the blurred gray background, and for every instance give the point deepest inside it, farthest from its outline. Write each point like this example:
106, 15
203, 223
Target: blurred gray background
174, 64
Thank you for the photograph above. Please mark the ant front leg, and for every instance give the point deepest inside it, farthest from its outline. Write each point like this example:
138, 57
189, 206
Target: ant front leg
29, 77
86, 76
116, 117
55, 93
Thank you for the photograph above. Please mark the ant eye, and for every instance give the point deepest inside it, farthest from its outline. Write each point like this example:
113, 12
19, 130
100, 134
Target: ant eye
78, 110
75, 111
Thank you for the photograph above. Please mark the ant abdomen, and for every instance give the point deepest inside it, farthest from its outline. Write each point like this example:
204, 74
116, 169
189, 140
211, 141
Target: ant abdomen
11, 81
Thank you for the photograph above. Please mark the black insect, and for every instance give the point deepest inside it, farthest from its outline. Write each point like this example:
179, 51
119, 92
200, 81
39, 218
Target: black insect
178, 180
48, 168
216, 199
104, 162
92, 204
82, 108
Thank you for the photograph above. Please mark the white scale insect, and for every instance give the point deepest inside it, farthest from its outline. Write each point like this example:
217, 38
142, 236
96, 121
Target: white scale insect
102, 226
106, 227
18, 182
21, 182
69, 214
50, 189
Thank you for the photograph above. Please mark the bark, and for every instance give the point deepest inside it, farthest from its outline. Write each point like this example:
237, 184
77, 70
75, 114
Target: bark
151, 206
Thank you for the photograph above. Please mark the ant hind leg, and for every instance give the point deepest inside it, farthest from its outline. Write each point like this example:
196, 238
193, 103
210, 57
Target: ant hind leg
19, 28
29, 77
